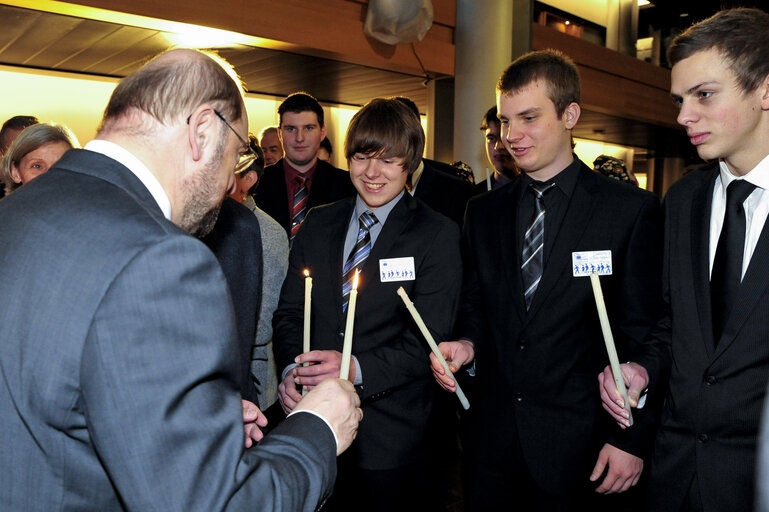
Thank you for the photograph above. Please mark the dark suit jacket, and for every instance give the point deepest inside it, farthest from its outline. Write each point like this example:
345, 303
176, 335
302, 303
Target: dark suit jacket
118, 357
236, 241
397, 391
443, 193
712, 412
536, 371
329, 184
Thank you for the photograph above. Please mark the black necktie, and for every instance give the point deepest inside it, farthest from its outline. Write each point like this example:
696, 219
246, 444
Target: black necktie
533, 243
726, 275
358, 254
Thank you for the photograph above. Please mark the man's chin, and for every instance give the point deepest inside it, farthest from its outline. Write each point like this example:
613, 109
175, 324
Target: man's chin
206, 224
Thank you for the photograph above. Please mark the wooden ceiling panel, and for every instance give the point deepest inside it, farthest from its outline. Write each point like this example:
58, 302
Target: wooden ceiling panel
83, 35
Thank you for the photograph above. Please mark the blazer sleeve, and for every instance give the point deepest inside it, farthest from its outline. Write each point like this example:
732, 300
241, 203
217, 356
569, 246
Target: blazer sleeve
636, 311
159, 382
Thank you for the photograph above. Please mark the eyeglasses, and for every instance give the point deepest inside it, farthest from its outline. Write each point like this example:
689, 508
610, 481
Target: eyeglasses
249, 156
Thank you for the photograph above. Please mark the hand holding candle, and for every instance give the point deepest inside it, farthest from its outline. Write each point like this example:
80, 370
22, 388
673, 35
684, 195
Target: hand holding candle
609, 340
434, 346
344, 370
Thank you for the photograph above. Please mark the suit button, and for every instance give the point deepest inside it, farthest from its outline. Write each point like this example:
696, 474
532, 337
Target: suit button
703, 438
523, 345
518, 397
711, 380
341, 335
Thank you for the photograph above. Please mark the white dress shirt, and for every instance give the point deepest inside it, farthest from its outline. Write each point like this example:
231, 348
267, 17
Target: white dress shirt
756, 208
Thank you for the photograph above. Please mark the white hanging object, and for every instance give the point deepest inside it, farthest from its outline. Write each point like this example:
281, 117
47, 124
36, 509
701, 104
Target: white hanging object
398, 21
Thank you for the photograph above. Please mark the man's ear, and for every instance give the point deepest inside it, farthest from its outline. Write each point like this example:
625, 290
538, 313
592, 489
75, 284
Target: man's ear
201, 127
250, 179
323, 132
764, 88
571, 115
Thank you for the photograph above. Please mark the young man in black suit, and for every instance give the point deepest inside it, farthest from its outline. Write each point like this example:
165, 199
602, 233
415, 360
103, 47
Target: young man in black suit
299, 181
408, 245
528, 328
716, 279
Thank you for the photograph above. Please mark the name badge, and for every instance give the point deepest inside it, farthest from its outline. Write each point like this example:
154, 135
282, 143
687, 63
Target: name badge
591, 262
397, 269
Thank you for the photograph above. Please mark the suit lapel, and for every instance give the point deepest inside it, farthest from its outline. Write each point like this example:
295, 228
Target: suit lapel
575, 221
509, 247
754, 285
702, 201
396, 222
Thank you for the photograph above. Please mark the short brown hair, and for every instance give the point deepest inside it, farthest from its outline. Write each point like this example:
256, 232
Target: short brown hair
741, 36
550, 66
386, 128
172, 86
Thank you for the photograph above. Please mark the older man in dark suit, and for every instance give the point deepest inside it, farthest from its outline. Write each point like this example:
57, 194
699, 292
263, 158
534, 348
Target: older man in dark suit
120, 382
716, 280
528, 327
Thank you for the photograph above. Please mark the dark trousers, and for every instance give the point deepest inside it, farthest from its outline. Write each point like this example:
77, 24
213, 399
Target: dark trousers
502, 482
394, 490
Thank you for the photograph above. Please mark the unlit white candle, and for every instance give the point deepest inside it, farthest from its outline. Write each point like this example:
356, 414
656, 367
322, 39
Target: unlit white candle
608, 339
434, 346
344, 370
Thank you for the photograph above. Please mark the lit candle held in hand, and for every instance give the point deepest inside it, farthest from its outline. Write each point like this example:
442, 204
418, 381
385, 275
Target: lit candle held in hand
344, 370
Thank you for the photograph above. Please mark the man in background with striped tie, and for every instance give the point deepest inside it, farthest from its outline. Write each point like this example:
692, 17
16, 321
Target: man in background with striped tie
299, 181
394, 240
528, 328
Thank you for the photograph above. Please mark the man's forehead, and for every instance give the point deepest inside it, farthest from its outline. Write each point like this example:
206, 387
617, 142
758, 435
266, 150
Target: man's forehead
304, 117
702, 67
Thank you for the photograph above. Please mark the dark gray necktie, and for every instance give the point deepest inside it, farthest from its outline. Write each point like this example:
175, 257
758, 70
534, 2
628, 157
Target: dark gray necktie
533, 242
726, 275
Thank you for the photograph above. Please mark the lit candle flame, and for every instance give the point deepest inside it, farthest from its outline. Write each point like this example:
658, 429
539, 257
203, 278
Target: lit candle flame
355, 280
306, 273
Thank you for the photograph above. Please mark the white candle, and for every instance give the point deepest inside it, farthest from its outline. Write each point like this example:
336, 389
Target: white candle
609, 340
434, 346
344, 370
307, 309
488, 180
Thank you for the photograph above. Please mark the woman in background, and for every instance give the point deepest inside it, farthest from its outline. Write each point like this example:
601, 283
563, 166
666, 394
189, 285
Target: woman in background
35, 151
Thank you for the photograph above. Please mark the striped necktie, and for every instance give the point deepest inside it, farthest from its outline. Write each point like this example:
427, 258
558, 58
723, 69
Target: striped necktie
299, 208
358, 254
533, 242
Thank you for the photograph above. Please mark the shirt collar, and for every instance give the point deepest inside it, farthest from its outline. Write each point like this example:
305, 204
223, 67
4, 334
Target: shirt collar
758, 176
565, 180
292, 173
382, 212
123, 156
